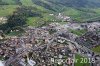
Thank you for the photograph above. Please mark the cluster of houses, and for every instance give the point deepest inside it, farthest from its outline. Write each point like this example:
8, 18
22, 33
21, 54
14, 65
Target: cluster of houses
91, 26
90, 39
38, 46
61, 17
43, 46
3, 20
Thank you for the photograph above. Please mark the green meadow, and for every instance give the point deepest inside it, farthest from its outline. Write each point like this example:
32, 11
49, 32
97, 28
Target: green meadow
96, 49
80, 62
6, 10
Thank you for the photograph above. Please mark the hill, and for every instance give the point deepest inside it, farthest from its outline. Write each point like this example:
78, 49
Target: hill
81, 10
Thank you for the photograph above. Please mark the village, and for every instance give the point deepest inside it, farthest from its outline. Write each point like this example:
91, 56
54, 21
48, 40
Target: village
49, 32
48, 46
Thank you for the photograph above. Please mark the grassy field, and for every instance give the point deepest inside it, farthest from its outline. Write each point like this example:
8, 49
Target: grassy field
16, 33
6, 10
9, 1
96, 49
79, 61
27, 2
78, 32
83, 14
32, 21
37, 21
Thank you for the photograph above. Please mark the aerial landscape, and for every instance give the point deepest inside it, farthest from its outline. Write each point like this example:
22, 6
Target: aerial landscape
49, 32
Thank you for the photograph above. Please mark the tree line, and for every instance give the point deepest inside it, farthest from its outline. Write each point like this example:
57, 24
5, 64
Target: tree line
19, 18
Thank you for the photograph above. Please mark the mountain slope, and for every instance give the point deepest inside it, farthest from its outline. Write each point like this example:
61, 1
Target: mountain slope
77, 9
53, 4
68, 3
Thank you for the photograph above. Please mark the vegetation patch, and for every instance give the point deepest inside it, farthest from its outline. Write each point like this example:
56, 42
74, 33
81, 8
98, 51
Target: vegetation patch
26, 2
15, 33
9, 1
6, 10
78, 32
96, 49
79, 61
